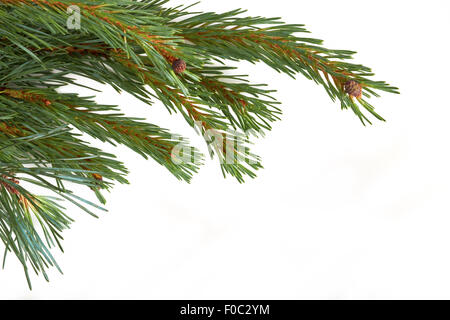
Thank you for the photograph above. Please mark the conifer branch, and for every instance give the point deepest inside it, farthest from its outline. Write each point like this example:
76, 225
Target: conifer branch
156, 53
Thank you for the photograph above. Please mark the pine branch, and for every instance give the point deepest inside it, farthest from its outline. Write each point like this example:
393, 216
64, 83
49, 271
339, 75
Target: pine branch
153, 52
145, 139
20, 209
228, 37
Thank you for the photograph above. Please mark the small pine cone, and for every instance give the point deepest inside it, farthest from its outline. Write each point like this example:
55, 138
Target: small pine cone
179, 66
97, 177
353, 88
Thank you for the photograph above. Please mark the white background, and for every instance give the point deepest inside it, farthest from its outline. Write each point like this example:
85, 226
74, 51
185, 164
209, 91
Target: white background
340, 211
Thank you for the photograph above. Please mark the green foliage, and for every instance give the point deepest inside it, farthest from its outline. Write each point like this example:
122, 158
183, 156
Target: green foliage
131, 46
